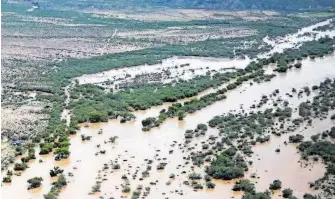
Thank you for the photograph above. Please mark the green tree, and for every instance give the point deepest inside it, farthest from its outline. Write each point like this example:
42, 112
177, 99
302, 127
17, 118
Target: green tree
181, 114
35, 182
287, 193
97, 116
7, 179
244, 185
276, 184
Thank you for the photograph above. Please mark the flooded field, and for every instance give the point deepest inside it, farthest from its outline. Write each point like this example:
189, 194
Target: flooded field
189, 67
179, 67
296, 39
134, 150
134, 147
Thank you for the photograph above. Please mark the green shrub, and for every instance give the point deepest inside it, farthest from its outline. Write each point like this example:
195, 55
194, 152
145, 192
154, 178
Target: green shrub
287, 193
276, 184
35, 182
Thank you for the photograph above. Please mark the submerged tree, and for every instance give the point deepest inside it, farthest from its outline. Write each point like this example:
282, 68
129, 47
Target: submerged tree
35, 182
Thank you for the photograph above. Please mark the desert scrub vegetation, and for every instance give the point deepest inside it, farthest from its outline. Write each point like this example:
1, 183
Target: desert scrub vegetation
245, 129
34, 182
319, 107
244, 185
69, 68
275, 185
312, 49
252, 71
30, 148
249, 190
287, 193
55, 171
323, 28
325, 149
74, 67
56, 187
7, 179
257, 195
252, 125
20, 166
321, 104
96, 109
208, 48
239, 131
180, 110
227, 166
96, 104
55, 135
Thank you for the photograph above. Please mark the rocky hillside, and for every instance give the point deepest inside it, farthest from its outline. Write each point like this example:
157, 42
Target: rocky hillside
250, 4
279, 5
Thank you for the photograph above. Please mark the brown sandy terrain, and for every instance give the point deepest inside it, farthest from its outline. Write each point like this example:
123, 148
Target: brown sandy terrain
188, 34
21, 123
7, 153
59, 48
184, 14
16, 122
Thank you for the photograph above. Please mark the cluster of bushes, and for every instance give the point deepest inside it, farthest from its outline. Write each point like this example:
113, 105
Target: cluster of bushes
96, 187
56, 134
249, 190
55, 171
244, 185
62, 153
258, 195
326, 150
179, 110
194, 176
227, 166
45, 148
285, 60
99, 106
238, 127
56, 187
249, 125
200, 130
321, 104
250, 193
287, 193
35, 182
255, 126
96, 105
315, 48
57, 140
296, 138
211, 47
20, 166
275, 185
7, 179
31, 153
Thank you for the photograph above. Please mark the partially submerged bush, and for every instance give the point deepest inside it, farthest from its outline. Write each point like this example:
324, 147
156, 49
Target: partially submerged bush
275, 185
35, 182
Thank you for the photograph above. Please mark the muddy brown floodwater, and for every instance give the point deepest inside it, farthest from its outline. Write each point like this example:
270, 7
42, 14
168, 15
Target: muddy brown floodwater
134, 145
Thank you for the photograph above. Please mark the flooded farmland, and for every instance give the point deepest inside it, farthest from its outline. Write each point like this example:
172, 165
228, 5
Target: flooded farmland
189, 67
133, 149
134, 146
